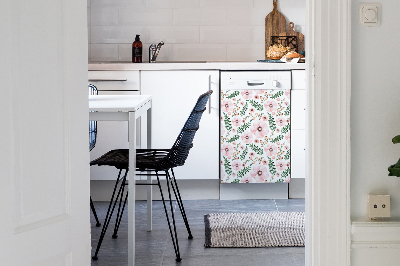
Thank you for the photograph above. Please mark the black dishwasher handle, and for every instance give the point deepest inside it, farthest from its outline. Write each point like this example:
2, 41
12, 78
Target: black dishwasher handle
254, 83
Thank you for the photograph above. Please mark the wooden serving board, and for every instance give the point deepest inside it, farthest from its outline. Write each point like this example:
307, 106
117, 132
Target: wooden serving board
275, 23
299, 36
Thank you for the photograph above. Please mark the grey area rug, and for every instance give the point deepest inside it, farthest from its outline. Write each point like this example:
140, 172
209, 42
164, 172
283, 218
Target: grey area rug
239, 230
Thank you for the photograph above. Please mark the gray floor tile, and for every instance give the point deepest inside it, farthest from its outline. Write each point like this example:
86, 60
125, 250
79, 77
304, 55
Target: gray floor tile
155, 248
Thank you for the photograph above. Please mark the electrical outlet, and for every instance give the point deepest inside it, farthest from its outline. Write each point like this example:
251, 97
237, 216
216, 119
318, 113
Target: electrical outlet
378, 206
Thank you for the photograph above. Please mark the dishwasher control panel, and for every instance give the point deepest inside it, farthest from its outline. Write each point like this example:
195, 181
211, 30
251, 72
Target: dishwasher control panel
256, 80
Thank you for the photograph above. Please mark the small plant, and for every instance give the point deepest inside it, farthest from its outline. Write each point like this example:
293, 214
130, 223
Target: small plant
394, 170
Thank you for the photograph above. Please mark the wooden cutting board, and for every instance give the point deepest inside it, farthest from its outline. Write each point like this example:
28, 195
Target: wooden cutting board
292, 32
275, 23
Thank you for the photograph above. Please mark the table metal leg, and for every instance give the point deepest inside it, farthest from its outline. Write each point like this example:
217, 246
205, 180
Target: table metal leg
149, 178
132, 190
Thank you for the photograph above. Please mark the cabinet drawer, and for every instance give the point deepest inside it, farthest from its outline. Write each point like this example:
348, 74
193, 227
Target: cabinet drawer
115, 80
298, 79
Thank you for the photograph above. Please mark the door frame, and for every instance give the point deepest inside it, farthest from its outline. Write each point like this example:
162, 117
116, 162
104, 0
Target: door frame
328, 221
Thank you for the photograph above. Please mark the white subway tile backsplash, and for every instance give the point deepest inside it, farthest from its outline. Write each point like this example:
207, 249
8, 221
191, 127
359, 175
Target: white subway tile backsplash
145, 17
224, 34
214, 3
104, 16
115, 34
173, 34
119, 3
246, 17
172, 3
246, 53
104, 52
199, 16
199, 52
125, 52
192, 30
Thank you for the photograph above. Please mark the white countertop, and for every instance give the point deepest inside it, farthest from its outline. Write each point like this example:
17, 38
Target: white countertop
196, 66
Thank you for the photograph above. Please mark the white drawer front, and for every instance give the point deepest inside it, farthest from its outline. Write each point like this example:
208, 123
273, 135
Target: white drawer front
115, 80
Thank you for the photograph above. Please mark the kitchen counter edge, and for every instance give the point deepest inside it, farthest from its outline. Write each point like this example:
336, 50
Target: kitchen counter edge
195, 66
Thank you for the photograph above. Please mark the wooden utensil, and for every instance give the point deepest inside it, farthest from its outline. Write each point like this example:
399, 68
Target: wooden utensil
275, 23
299, 36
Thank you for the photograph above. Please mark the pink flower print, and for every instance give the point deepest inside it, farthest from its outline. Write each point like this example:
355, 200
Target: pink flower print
256, 141
259, 129
264, 118
259, 91
233, 174
222, 131
286, 103
278, 130
241, 147
278, 99
270, 105
246, 94
247, 137
264, 162
287, 137
287, 93
241, 103
259, 173
286, 147
278, 143
236, 165
251, 154
252, 110
237, 121
287, 180
278, 174
226, 106
270, 149
281, 121
256, 97
245, 180
226, 150
280, 165
234, 130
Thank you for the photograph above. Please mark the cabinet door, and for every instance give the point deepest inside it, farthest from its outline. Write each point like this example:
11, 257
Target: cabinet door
174, 96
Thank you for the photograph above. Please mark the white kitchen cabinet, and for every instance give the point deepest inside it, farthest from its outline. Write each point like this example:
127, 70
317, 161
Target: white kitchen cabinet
174, 96
298, 127
112, 134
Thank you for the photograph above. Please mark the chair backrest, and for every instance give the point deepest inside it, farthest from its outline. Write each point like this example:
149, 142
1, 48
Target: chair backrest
180, 150
92, 124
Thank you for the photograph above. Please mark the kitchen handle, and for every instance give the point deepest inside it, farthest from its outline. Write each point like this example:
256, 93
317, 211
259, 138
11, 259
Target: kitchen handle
99, 80
254, 83
209, 89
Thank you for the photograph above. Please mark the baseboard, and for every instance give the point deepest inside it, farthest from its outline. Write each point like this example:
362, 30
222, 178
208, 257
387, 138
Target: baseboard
297, 188
101, 190
375, 243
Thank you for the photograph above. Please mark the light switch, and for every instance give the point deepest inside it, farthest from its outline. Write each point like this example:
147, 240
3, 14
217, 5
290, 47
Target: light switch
369, 14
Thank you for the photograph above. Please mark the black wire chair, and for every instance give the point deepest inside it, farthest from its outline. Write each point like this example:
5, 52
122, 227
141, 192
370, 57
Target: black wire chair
149, 161
92, 143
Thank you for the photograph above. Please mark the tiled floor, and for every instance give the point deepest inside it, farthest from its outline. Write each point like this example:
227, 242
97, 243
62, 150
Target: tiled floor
155, 248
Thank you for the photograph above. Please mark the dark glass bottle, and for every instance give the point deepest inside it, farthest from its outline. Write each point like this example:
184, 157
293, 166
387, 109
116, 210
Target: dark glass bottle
137, 50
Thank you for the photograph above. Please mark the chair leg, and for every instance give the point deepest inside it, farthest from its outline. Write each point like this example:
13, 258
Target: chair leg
94, 213
109, 212
120, 211
174, 185
174, 239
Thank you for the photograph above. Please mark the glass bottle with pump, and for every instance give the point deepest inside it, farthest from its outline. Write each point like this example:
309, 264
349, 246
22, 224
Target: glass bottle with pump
137, 50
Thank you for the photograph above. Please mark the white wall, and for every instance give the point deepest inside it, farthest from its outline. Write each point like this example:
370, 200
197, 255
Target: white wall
375, 119
375, 108
193, 30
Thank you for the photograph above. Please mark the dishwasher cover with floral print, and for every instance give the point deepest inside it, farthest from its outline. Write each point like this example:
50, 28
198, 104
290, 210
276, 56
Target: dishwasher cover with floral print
255, 136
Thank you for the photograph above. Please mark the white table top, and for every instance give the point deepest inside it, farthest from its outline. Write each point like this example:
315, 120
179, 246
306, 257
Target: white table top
115, 103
